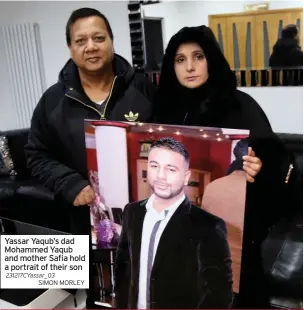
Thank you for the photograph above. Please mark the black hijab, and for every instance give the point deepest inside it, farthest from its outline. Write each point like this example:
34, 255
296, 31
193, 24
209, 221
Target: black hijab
175, 102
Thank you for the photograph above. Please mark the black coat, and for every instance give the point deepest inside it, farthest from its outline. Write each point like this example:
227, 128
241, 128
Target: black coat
192, 266
286, 53
56, 146
56, 151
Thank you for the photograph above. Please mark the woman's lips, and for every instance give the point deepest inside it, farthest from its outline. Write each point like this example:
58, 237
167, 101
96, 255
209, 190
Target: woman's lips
191, 78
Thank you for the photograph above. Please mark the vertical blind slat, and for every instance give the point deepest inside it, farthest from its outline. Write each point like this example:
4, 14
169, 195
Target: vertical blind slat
26, 72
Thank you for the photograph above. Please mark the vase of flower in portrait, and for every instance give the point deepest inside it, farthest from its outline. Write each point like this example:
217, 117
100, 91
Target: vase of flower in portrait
106, 233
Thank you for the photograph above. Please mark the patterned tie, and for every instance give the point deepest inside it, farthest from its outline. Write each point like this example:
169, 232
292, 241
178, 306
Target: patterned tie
150, 257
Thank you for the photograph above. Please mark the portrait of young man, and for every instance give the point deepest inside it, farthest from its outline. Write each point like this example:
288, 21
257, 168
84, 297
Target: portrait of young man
171, 253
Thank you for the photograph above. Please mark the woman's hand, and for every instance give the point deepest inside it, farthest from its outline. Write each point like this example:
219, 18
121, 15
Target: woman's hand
252, 165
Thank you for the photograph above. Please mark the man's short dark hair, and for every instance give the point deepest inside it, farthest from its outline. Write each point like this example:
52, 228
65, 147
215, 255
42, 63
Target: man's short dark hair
172, 145
290, 31
84, 13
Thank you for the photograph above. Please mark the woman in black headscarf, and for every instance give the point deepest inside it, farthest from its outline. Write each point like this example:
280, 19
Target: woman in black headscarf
198, 88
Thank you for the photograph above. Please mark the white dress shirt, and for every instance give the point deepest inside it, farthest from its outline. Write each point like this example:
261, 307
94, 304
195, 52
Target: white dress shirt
152, 216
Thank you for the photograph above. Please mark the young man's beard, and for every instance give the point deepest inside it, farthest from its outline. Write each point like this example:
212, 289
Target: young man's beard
171, 193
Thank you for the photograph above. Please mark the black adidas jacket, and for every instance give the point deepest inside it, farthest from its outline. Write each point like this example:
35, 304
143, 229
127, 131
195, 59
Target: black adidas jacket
56, 146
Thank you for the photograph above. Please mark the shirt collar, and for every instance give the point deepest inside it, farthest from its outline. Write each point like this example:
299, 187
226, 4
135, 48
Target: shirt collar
171, 208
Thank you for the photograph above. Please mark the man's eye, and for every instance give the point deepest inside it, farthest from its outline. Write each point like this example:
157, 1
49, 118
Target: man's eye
80, 41
100, 38
172, 170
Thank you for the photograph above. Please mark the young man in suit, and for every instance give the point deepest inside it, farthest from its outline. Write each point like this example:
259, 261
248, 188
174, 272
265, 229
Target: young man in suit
171, 253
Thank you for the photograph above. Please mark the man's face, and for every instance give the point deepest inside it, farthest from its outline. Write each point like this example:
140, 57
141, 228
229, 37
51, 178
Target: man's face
168, 173
91, 46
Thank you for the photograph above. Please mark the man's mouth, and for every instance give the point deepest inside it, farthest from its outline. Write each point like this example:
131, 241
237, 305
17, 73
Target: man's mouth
93, 59
161, 186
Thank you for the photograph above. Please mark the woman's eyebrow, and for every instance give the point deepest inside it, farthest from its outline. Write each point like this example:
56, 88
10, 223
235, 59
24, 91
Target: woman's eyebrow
198, 51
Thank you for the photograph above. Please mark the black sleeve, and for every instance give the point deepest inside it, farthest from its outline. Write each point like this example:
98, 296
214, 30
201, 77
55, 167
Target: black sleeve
122, 266
40, 152
215, 273
269, 193
296, 57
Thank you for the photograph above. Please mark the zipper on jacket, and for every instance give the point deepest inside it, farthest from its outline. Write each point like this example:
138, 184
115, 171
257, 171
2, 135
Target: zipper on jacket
288, 173
88, 106
106, 104
102, 116
185, 118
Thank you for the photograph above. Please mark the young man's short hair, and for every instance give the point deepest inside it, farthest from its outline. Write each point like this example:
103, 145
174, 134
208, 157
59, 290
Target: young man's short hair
172, 145
84, 13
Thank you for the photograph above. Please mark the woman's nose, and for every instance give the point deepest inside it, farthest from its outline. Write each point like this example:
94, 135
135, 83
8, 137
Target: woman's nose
190, 65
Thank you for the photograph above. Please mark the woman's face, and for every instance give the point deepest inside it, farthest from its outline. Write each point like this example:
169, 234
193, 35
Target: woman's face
190, 65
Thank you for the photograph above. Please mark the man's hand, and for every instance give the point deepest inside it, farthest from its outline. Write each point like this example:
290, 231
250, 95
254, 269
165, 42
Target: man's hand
85, 197
252, 165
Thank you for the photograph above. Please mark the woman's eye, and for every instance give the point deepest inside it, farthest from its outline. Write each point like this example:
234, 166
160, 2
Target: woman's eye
199, 56
179, 60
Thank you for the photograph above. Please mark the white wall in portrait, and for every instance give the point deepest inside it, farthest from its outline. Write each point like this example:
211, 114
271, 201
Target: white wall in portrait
112, 161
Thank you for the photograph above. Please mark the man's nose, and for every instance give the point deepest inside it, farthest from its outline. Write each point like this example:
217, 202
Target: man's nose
161, 174
91, 46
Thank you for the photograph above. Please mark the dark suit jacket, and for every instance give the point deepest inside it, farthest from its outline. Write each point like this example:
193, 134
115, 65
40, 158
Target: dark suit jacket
192, 266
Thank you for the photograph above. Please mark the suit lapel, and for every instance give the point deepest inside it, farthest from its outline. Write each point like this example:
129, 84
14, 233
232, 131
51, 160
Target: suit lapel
176, 230
136, 228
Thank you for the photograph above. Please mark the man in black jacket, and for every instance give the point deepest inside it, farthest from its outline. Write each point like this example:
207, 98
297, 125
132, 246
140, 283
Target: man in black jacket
287, 51
171, 254
95, 83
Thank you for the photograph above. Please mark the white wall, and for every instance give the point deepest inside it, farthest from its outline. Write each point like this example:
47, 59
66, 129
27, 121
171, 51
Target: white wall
112, 161
195, 13
52, 18
282, 105
170, 12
